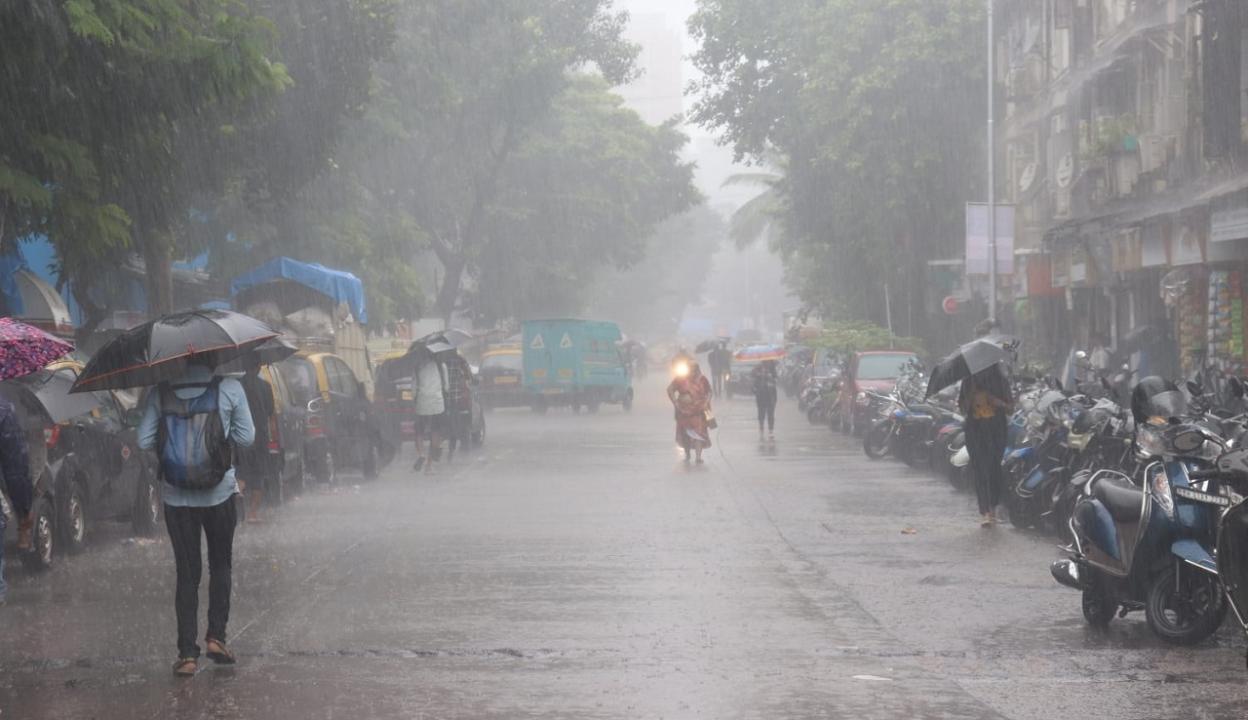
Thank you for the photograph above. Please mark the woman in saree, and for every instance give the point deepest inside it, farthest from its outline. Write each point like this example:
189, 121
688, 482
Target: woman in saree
691, 395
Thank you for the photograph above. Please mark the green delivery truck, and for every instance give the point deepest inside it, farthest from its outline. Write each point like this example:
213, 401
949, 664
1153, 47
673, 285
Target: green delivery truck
575, 363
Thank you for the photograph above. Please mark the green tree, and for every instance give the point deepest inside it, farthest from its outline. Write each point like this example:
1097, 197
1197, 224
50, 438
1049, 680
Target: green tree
468, 83
114, 117
580, 195
874, 105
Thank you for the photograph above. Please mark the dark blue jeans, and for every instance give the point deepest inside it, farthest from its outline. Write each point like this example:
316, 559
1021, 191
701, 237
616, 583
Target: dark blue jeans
186, 525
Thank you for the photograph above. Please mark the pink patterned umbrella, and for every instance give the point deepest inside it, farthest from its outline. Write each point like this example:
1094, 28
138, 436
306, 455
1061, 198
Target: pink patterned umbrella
25, 348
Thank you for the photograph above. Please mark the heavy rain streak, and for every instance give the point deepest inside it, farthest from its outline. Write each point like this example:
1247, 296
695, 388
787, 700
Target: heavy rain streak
623, 359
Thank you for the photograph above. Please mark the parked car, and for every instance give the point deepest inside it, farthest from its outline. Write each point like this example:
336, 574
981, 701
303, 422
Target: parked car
341, 428
393, 401
502, 379
287, 437
98, 471
874, 371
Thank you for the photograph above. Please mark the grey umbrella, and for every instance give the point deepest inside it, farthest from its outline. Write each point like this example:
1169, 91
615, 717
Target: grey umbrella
973, 357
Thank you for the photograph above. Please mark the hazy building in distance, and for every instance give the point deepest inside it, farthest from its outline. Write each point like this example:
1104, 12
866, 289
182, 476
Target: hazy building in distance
658, 95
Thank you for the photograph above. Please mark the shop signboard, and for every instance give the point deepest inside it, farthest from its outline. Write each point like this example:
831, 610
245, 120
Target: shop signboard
1060, 261
1078, 265
1229, 219
1185, 245
1038, 271
977, 239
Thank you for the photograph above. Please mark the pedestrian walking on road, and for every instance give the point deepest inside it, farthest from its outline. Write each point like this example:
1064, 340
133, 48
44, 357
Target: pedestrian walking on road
194, 425
720, 360
691, 396
15, 464
986, 402
766, 380
255, 467
429, 386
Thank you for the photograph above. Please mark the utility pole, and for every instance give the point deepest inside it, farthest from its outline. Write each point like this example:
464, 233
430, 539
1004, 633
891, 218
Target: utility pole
992, 168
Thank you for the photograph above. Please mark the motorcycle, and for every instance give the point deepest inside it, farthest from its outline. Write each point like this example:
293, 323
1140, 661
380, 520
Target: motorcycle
1147, 548
1231, 564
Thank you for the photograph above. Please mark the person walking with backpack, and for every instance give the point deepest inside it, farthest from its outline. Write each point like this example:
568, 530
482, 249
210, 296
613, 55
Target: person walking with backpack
194, 425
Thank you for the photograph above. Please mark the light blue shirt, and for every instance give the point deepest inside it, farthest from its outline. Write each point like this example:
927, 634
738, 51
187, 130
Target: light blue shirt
235, 420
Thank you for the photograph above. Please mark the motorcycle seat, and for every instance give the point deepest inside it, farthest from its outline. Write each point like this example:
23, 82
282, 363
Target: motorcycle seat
1122, 498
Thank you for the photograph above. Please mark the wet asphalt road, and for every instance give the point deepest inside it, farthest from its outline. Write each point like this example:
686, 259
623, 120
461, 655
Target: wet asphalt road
577, 569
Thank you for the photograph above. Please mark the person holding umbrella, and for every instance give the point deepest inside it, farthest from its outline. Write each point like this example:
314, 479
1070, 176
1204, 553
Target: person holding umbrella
254, 463
193, 419
24, 349
986, 402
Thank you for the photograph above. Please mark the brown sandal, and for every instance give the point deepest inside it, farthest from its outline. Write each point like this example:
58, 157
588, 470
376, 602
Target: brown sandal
218, 652
185, 667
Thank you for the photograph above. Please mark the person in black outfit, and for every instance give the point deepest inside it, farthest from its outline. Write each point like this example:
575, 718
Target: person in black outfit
766, 378
720, 360
986, 402
256, 467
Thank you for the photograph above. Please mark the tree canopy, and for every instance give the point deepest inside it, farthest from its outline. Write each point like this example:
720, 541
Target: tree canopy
875, 107
375, 135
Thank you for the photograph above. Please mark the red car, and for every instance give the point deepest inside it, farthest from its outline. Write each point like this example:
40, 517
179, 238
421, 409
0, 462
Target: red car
874, 371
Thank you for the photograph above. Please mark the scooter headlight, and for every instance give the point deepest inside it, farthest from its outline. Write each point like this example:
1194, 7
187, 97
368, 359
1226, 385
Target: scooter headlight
681, 369
1077, 441
1150, 442
1160, 484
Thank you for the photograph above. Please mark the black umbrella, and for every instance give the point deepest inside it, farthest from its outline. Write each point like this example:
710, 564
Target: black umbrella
160, 350
435, 343
266, 353
977, 355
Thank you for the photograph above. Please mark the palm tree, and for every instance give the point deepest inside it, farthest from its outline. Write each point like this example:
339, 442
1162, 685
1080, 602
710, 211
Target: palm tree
759, 216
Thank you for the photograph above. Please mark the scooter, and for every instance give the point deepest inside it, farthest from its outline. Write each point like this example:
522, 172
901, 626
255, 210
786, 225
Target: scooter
1148, 548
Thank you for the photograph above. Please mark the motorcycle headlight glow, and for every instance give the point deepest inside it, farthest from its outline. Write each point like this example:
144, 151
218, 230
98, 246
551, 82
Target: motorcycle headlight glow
681, 369
1161, 491
1150, 442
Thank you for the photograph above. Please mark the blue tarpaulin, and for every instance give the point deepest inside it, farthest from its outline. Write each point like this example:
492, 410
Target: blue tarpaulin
339, 285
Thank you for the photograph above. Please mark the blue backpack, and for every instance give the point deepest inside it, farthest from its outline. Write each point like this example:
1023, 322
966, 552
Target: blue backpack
195, 453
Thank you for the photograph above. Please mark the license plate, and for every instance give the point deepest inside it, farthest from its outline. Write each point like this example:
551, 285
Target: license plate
1202, 497
507, 380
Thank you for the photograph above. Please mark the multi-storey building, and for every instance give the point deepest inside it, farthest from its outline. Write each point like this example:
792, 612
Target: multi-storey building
1123, 142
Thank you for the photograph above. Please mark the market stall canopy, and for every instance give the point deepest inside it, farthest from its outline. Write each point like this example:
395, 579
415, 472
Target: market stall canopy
339, 286
43, 306
31, 299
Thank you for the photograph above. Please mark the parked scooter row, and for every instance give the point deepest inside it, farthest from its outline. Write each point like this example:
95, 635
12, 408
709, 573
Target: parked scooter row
1147, 483
1170, 538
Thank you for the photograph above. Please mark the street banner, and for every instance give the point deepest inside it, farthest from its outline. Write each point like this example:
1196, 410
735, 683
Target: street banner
977, 239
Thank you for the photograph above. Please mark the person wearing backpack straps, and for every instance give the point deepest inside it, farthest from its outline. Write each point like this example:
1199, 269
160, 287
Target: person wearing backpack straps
194, 424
